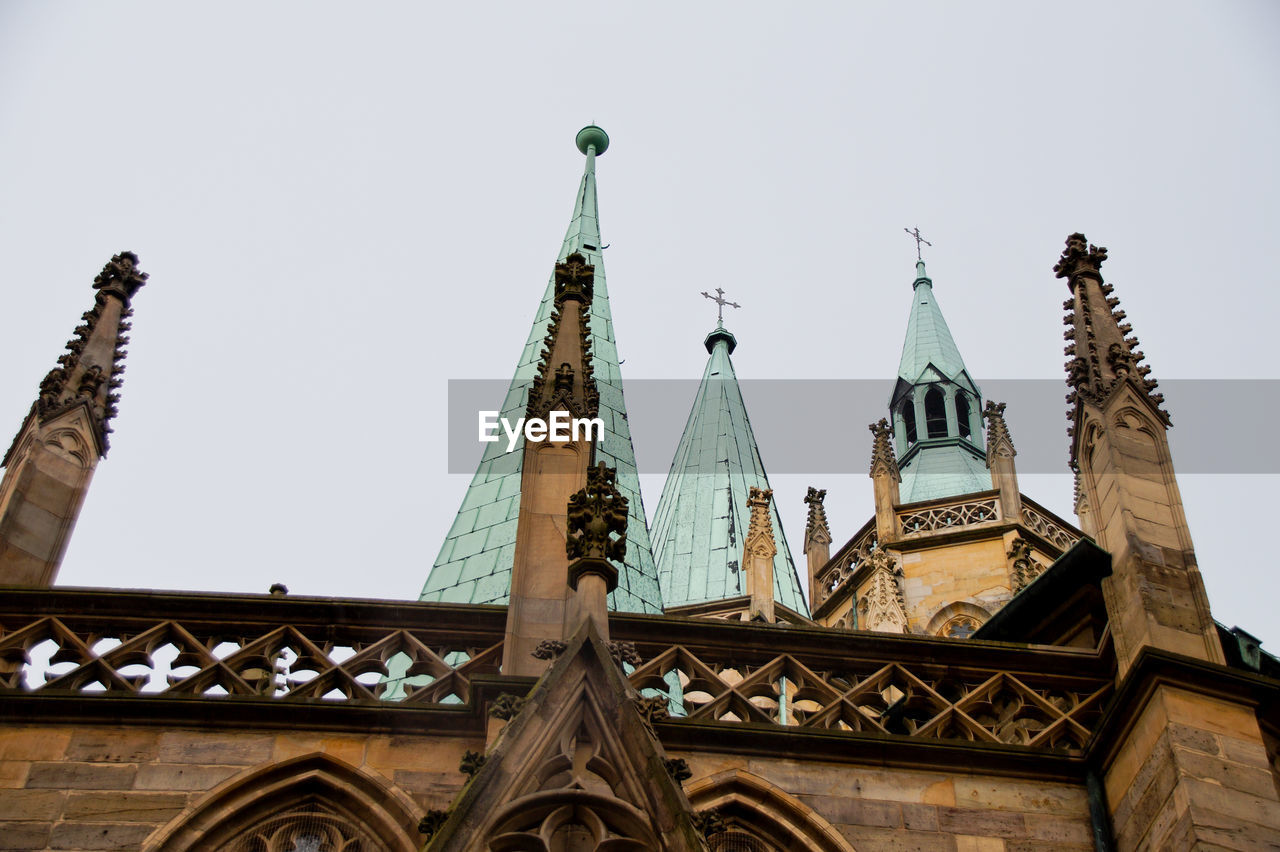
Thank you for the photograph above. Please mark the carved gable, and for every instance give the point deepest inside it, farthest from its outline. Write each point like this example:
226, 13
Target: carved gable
882, 606
577, 769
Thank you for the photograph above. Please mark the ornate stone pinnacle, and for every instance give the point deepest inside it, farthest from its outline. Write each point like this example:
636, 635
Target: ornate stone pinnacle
816, 524
121, 276
575, 279
883, 460
553, 389
78, 380
596, 513
760, 526
1079, 258
997, 429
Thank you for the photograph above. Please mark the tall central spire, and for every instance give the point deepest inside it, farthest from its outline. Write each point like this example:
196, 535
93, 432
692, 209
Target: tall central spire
474, 565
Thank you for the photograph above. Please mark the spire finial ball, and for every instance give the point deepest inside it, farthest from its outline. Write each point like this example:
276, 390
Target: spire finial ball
592, 136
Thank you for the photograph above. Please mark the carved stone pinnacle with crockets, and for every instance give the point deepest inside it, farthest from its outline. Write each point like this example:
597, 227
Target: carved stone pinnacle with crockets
596, 513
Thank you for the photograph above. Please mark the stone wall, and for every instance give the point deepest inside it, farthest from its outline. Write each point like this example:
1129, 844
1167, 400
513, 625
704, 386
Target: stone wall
66, 787
877, 808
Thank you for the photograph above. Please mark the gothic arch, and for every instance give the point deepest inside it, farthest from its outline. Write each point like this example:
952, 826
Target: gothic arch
957, 612
769, 812
341, 797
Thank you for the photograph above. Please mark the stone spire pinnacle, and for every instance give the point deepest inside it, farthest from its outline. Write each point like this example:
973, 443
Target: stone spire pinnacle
92, 368
1103, 351
1000, 453
886, 481
758, 552
475, 562
51, 461
816, 531
882, 458
703, 515
1127, 493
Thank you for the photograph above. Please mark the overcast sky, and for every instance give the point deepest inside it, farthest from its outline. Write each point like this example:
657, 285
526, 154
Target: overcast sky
344, 206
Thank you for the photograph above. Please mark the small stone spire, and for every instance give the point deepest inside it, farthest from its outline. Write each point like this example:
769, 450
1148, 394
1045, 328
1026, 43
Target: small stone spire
886, 477
1000, 453
597, 533
52, 459
1103, 351
882, 606
757, 556
570, 385
1127, 494
817, 537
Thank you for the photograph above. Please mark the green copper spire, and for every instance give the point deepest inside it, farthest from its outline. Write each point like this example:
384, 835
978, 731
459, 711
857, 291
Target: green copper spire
936, 408
702, 518
474, 565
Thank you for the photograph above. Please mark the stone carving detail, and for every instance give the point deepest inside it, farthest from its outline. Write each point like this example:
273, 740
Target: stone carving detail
883, 460
548, 649
760, 539
472, 762
843, 567
999, 444
74, 382
709, 822
506, 706
678, 769
1047, 529
652, 709
625, 652
1103, 354
432, 822
596, 513
950, 516
815, 528
882, 607
121, 276
1022, 567
577, 793
553, 391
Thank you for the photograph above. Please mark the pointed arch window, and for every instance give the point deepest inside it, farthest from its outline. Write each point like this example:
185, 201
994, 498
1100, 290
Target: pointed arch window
909, 420
962, 414
935, 413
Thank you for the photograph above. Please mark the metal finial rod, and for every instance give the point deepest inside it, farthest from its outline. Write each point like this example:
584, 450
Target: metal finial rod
720, 301
919, 239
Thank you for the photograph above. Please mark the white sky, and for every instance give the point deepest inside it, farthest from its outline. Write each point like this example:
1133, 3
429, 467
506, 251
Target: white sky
343, 206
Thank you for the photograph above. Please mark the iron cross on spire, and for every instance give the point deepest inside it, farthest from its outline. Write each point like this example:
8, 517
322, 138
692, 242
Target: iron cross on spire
720, 301
919, 239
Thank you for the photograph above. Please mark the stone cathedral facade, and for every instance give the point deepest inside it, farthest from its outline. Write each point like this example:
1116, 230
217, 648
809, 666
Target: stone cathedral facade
967, 671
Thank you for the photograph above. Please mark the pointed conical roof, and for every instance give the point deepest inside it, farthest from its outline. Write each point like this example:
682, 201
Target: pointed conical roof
928, 342
702, 517
947, 466
474, 565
